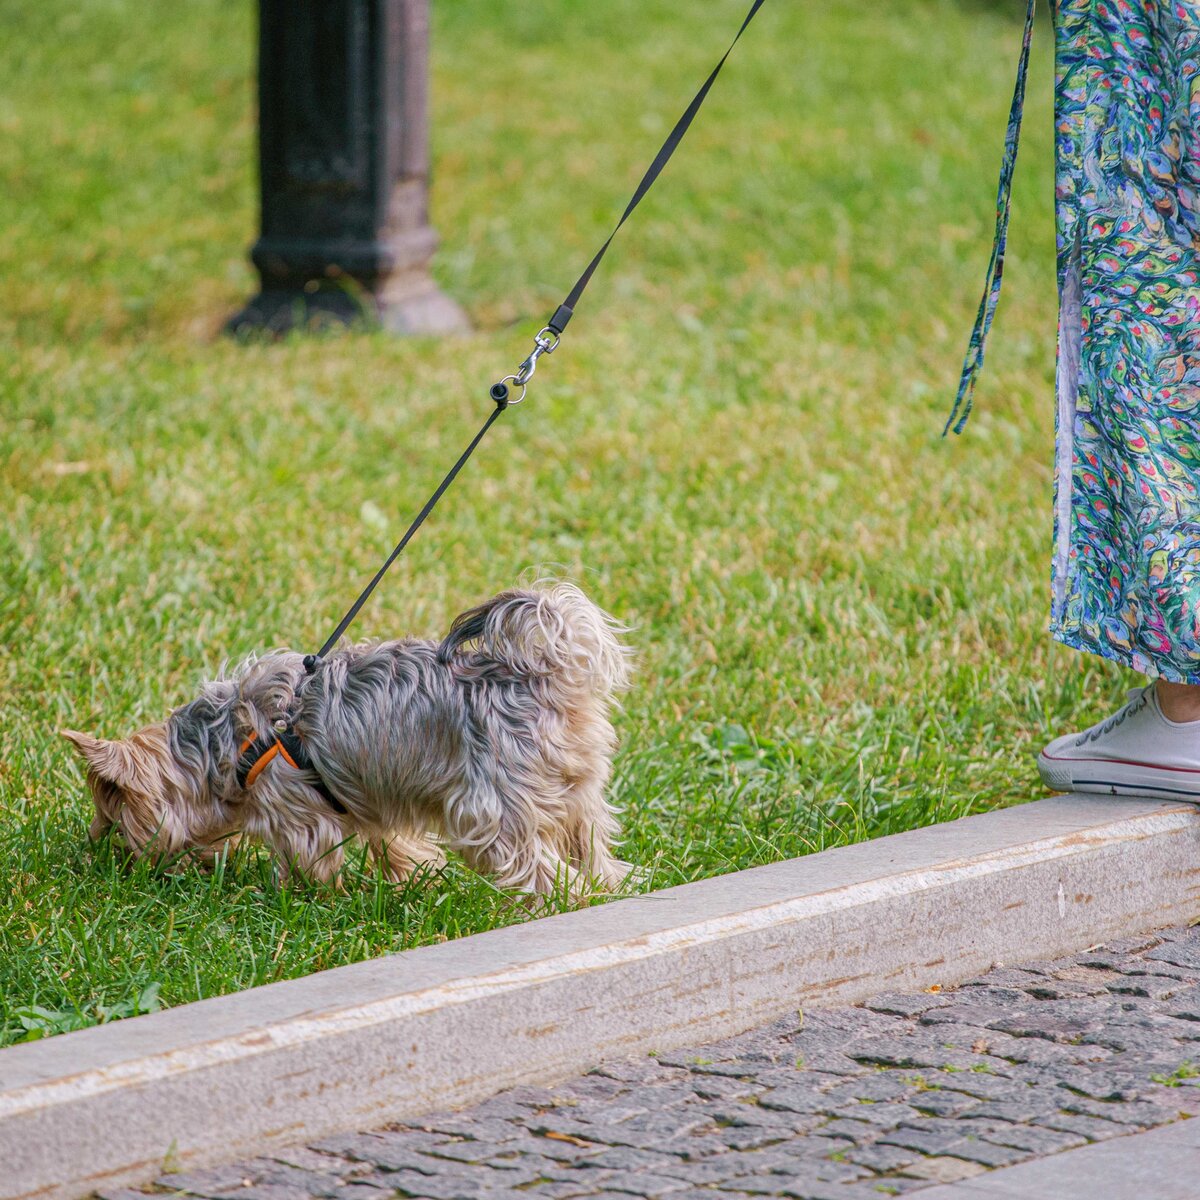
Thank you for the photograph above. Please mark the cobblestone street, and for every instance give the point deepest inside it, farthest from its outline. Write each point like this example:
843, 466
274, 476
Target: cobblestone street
889, 1098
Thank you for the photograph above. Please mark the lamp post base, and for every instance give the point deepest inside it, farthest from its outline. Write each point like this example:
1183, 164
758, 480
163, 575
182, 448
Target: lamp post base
417, 308
344, 165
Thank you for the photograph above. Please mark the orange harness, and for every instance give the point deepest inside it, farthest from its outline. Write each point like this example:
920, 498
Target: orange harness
256, 753
276, 748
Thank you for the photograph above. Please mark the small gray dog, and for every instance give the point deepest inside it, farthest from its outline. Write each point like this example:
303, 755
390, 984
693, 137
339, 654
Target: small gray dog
496, 742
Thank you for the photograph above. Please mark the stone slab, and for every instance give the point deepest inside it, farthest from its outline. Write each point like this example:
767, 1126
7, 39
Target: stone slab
444, 1025
1163, 1164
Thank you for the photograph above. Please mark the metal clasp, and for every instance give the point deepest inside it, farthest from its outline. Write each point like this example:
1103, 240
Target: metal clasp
546, 342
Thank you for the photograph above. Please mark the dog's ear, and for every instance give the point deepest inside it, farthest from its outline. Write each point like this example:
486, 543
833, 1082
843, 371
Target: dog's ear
110, 760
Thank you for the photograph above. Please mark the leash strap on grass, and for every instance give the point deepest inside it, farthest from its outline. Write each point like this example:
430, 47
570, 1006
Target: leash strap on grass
965, 398
556, 324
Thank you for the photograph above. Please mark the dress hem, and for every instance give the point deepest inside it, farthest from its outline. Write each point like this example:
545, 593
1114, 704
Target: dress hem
1143, 664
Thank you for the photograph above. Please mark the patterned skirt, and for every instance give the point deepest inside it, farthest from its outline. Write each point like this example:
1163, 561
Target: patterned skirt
1126, 576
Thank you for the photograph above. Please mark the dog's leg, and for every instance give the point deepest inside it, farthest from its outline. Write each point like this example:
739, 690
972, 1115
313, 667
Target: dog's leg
314, 849
505, 836
591, 826
401, 854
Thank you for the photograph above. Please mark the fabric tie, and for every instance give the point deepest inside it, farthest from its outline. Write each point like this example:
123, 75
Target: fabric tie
973, 363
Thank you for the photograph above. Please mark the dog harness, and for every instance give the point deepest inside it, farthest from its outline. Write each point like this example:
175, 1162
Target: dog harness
257, 753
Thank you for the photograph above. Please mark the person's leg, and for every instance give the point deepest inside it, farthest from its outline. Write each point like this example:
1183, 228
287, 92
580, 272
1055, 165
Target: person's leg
1179, 702
1126, 579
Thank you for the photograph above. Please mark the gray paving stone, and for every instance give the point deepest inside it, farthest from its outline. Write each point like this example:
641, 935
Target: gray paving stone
944, 1170
1064, 989
719, 1167
988, 1154
971, 1012
1042, 1052
305, 1180
754, 1116
1092, 1128
1015, 1112
1141, 1114
885, 1115
911, 1052
801, 1177
478, 1128
499, 1155
1127, 1040
1153, 987
1055, 1028
1136, 943
447, 1187
881, 1158
362, 1189
749, 1139
972, 1083
903, 1093
716, 1087
709, 1194
628, 1158
795, 1099
907, 1004
1180, 953
857, 1132
209, 1183
557, 1150
922, 1140
939, 1103
643, 1183
1034, 1139
313, 1160
275, 1191
878, 1087
394, 1151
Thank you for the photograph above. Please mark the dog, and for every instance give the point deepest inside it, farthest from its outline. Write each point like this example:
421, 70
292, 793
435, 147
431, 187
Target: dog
496, 743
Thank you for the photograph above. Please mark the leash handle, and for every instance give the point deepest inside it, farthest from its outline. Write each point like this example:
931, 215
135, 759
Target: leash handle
546, 342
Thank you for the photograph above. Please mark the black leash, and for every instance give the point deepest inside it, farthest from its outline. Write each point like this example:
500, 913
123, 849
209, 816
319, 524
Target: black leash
311, 660
546, 342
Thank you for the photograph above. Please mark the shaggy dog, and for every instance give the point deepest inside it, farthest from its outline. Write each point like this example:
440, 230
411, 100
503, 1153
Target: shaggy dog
496, 742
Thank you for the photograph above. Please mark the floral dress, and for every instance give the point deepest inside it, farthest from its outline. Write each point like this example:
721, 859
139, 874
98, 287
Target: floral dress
1126, 577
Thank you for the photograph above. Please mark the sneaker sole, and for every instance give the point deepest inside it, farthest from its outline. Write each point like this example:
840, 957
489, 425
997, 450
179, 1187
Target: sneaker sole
1119, 778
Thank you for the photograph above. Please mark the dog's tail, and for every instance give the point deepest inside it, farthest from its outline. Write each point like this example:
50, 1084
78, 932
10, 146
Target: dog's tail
555, 630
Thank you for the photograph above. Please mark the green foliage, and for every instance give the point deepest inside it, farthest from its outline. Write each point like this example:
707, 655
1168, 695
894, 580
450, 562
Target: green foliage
33, 1022
1176, 1078
839, 616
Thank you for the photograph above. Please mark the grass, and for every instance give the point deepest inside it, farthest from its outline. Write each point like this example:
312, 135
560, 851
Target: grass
840, 616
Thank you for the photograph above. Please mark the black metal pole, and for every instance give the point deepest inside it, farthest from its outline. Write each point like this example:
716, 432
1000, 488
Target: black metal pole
344, 162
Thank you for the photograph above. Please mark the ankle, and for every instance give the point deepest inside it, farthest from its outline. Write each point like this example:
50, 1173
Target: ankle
1179, 702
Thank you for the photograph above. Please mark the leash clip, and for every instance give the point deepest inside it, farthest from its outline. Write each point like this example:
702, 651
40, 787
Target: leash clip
546, 342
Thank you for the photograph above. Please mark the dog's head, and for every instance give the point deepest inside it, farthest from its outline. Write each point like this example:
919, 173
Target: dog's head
139, 788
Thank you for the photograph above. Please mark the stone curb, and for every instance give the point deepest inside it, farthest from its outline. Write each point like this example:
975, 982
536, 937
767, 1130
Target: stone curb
444, 1025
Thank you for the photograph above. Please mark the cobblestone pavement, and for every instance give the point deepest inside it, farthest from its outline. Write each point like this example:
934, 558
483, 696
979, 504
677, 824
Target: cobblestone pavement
844, 1104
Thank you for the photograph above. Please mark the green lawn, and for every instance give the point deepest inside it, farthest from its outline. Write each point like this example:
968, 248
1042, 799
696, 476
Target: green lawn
840, 616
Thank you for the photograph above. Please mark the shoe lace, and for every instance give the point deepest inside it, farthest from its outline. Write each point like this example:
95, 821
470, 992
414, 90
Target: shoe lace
1136, 704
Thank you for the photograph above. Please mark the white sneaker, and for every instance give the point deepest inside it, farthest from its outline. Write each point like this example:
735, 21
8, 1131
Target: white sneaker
1135, 752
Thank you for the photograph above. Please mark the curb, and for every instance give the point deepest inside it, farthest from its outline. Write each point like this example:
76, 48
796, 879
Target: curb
445, 1025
